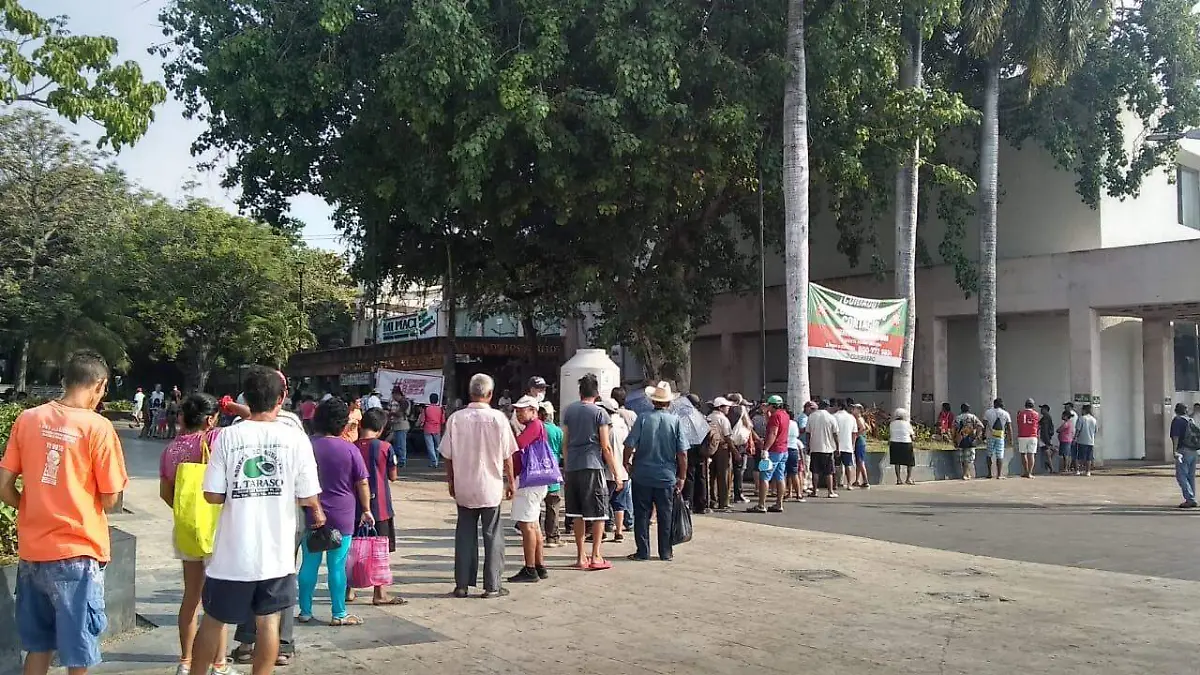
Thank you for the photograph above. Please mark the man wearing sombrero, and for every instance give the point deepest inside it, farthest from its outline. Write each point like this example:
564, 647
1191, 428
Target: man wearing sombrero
658, 449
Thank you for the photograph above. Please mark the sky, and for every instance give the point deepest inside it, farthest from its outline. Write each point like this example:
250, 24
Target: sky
162, 160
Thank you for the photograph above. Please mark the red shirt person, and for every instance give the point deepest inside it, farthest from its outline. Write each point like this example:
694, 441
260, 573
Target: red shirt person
1027, 437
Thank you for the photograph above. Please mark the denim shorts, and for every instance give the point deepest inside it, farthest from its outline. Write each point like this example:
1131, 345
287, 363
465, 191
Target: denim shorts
793, 462
778, 467
1084, 453
860, 450
60, 607
846, 458
620, 500
995, 448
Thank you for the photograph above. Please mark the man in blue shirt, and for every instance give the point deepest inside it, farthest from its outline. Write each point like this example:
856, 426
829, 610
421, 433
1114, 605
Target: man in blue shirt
1185, 456
656, 452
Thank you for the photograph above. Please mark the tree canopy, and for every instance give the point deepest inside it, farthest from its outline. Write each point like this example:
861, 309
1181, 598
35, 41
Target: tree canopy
42, 63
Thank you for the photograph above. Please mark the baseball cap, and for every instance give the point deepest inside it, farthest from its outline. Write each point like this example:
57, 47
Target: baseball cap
537, 382
721, 401
526, 402
1029, 403
775, 400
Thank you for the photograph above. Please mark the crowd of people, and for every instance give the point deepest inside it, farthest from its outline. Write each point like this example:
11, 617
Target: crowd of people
308, 485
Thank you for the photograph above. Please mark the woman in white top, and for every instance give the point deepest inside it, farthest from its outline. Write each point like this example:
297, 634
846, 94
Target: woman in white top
794, 484
900, 446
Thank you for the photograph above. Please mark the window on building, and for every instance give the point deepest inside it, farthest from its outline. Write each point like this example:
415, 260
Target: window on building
1187, 187
1187, 356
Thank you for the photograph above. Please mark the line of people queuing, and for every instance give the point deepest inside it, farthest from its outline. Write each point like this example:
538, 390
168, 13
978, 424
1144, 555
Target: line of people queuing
1068, 446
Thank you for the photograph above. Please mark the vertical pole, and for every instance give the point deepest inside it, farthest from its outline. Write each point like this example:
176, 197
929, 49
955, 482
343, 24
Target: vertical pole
303, 318
762, 283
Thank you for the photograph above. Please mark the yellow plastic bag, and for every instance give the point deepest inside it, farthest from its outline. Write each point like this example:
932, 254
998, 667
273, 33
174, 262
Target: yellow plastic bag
195, 518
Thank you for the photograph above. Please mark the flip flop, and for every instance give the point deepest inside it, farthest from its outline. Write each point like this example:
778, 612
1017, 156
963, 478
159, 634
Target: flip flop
587, 565
348, 620
394, 600
599, 566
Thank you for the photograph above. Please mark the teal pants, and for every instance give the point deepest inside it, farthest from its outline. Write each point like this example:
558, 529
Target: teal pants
335, 562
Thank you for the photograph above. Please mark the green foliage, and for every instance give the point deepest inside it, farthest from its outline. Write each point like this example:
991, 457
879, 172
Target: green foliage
74, 75
8, 515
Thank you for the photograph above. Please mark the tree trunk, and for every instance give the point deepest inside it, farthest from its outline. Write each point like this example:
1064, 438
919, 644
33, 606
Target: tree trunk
988, 173
795, 196
450, 356
907, 183
670, 361
531, 338
196, 364
23, 366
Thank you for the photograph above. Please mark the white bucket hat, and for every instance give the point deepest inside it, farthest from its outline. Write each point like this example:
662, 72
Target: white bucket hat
661, 393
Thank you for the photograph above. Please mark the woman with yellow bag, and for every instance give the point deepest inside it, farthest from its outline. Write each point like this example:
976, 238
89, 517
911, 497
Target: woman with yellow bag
181, 473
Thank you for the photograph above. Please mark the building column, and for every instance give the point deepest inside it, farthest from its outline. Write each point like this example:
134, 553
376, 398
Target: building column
933, 346
731, 364
1158, 372
1084, 336
824, 380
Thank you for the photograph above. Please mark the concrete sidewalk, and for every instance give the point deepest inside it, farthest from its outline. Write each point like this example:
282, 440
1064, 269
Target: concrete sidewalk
741, 597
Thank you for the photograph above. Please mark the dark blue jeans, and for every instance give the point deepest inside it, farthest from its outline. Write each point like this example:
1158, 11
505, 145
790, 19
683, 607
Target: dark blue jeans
663, 501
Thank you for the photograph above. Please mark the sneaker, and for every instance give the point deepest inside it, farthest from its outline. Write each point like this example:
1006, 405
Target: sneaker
527, 575
756, 509
866, 486
500, 593
224, 670
184, 669
1088, 474
775, 509
1078, 473
801, 500
542, 572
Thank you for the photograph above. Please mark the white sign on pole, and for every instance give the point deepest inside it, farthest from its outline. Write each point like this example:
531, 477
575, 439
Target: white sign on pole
416, 385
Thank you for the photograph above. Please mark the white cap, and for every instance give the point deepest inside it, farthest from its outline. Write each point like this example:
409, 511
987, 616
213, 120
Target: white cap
720, 402
526, 402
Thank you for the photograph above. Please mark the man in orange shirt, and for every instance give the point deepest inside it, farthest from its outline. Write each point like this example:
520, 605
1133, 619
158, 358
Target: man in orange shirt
71, 462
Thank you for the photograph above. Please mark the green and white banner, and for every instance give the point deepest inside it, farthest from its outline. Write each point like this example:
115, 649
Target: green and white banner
849, 328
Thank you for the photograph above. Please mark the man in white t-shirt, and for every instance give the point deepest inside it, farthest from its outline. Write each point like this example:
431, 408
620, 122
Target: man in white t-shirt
370, 401
260, 471
139, 402
997, 426
847, 433
823, 439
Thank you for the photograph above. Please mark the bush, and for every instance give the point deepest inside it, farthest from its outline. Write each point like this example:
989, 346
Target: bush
119, 406
8, 515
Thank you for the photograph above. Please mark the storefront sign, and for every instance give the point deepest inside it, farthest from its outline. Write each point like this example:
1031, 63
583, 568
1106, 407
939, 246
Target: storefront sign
415, 326
849, 328
417, 386
355, 379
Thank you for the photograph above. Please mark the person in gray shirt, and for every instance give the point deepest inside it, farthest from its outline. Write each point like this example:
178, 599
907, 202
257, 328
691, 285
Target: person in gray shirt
587, 451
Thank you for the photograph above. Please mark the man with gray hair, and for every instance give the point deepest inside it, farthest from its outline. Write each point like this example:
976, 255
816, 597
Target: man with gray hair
478, 445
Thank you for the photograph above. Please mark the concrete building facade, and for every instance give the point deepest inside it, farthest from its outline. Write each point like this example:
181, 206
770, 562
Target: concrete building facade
1089, 305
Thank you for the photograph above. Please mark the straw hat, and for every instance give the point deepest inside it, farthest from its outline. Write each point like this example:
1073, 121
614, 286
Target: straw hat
661, 393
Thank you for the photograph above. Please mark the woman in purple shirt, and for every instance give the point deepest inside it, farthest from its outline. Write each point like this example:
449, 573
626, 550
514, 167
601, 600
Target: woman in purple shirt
344, 492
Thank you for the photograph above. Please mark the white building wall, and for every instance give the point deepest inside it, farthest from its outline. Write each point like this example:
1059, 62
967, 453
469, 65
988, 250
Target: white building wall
1032, 360
1039, 212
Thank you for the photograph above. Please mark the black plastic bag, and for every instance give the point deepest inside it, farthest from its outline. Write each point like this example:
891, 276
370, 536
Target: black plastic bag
681, 525
323, 538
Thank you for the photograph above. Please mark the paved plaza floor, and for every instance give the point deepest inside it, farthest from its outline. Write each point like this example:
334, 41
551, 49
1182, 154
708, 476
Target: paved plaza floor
1054, 575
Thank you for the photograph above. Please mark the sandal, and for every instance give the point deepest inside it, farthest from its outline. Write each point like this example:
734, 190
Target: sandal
394, 600
587, 564
283, 659
348, 620
599, 566
243, 654
304, 618
617, 539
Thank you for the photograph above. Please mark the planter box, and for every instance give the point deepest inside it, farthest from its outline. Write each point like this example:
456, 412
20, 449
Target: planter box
943, 465
120, 597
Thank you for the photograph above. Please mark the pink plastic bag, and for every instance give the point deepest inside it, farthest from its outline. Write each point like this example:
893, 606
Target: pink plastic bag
370, 562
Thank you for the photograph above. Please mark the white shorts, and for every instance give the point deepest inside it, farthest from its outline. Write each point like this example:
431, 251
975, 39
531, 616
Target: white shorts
1027, 446
527, 504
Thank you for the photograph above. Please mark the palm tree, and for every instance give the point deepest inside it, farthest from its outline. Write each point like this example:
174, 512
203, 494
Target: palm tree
795, 198
1037, 43
906, 225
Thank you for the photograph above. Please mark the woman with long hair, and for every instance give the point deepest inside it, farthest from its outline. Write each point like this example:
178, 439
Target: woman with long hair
199, 415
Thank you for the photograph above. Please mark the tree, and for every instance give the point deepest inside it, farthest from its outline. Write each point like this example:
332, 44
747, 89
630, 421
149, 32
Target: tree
220, 288
1039, 43
327, 297
56, 205
795, 191
907, 190
43, 64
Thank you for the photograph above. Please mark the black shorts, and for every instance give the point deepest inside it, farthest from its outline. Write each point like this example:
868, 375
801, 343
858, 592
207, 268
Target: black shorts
235, 602
586, 495
822, 463
387, 528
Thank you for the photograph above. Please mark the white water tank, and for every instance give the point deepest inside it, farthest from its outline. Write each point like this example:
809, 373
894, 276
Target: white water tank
594, 361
